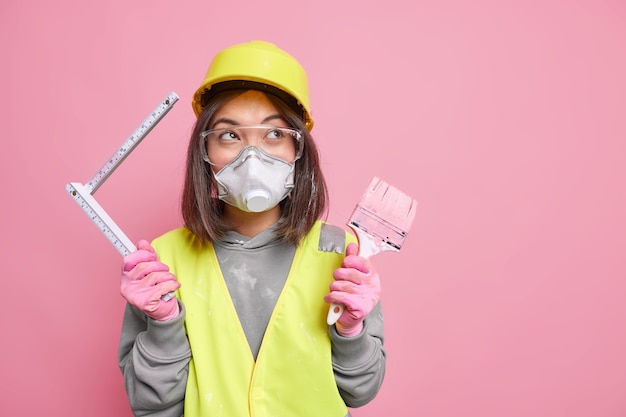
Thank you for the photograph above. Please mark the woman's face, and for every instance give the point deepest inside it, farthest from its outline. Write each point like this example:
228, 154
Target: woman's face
248, 120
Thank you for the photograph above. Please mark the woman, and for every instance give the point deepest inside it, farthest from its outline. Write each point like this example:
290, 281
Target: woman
226, 316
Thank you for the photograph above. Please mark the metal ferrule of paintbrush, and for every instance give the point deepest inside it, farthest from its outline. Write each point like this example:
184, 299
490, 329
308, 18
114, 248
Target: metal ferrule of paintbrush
375, 234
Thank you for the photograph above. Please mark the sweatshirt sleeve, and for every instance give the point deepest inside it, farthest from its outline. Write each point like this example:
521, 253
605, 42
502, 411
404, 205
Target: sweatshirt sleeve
359, 362
153, 357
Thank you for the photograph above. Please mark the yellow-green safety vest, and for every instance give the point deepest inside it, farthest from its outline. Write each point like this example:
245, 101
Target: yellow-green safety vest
293, 373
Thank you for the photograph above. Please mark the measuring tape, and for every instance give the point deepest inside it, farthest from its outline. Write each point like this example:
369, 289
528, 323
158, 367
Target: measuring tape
83, 193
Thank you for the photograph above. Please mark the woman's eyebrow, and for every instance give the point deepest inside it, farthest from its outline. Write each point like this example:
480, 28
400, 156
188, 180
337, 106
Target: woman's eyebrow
232, 122
223, 120
274, 117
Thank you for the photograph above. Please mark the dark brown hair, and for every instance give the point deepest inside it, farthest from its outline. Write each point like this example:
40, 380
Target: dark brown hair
202, 210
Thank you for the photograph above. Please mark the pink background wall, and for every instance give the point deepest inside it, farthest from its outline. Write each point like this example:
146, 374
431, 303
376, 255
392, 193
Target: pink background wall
506, 120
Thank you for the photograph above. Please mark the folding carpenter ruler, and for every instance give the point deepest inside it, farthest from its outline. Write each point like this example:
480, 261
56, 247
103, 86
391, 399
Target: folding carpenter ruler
83, 193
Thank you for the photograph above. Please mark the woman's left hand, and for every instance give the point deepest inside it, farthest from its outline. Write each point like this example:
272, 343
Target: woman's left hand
357, 287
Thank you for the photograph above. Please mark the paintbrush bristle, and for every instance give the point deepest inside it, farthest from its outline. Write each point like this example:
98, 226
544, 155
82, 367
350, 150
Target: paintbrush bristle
385, 213
389, 203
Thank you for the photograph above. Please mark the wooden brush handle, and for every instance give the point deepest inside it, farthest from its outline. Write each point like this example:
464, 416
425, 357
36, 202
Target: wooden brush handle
334, 312
368, 247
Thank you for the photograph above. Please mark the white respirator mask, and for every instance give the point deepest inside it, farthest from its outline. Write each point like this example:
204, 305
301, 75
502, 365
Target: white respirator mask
255, 181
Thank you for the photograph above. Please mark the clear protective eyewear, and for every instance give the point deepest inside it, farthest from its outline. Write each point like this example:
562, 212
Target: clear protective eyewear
281, 142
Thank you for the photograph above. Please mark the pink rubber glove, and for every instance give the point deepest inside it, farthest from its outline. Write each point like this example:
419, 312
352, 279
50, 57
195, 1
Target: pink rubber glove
357, 287
145, 280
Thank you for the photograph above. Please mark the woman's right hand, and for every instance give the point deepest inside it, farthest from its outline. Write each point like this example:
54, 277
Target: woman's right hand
145, 280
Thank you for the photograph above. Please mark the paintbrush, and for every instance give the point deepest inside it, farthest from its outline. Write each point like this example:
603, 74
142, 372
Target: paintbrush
381, 222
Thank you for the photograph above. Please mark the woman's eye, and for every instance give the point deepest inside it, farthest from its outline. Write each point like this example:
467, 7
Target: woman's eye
274, 134
228, 136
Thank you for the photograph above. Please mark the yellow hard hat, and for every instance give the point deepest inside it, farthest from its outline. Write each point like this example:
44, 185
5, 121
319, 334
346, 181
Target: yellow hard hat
257, 65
